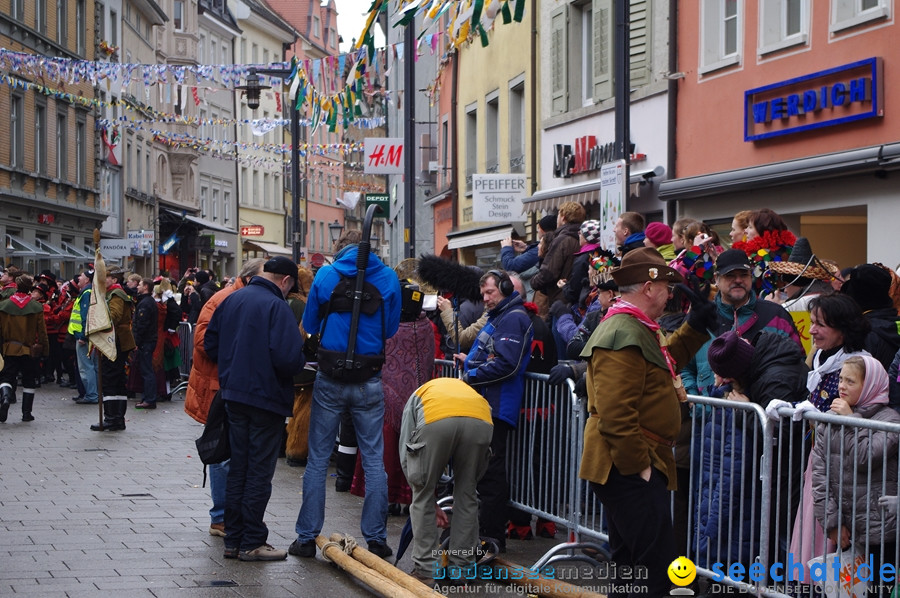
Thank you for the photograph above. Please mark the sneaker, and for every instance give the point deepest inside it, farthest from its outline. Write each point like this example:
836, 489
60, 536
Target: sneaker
546, 529
83, 401
305, 549
263, 553
519, 532
231, 553
217, 529
145, 405
380, 549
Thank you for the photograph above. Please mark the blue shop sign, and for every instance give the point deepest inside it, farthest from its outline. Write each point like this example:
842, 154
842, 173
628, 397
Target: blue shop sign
831, 97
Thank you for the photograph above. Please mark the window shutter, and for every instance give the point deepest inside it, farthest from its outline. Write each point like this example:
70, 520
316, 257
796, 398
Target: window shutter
640, 42
559, 61
711, 26
603, 31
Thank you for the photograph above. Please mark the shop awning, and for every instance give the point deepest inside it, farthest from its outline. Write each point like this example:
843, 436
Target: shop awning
269, 248
52, 250
816, 168
585, 192
18, 246
203, 224
482, 235
75, 252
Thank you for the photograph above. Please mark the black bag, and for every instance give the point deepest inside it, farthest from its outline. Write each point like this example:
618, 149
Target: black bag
213, 445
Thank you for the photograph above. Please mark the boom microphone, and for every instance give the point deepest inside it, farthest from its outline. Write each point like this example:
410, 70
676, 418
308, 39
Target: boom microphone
445, 275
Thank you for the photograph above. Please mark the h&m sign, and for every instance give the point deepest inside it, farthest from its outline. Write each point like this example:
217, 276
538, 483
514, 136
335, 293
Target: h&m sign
587, 157
826, 98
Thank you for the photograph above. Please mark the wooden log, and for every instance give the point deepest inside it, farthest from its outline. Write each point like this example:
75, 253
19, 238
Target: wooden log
389, 571
374, 580
538, 584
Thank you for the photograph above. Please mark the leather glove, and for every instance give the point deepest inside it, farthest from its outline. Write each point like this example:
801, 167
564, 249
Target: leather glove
558, 309
311, 348
889, 503
801, 408
581, 387
773, 407
703, 314
560, 373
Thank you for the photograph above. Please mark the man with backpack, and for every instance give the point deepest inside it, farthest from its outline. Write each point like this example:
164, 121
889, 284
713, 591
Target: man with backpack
341, 387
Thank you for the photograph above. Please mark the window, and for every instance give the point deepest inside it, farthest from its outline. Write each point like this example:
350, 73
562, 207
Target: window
129, 183
312, 234
178, 15
721, 22
18, 10
444, 157
558, 62
80, 152
243, 50
268, 200
254, 54
61, 22
40, 139
139, 165
61, 146
256, 195
315, 26
201, 49
113, 28
517, 125
40, 15
322, 236
850, 13
588, 48
492, 133
226, 207
17, 131
471, 145
204, 200
245, 197
215, 204
80, 27
148, 186
783, 23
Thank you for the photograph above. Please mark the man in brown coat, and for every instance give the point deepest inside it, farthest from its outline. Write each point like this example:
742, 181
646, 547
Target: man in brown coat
635, 414
21, 327
112, 373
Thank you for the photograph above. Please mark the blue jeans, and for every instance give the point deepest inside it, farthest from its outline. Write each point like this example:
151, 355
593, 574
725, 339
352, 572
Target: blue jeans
87, 369
218, 478
145, 360
255, 435
365, 402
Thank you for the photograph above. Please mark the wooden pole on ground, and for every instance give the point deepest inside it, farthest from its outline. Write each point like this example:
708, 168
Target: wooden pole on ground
374, 580
537, 584
389, 571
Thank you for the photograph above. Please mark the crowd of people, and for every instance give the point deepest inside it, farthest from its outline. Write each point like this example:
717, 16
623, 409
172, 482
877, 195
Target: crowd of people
667, 312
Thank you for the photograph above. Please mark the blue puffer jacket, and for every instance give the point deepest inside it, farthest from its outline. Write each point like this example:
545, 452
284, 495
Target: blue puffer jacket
370, 338
725, 507
254, 339
495, 365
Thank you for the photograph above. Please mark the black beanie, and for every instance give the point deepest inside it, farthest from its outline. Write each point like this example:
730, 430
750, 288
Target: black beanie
870, 285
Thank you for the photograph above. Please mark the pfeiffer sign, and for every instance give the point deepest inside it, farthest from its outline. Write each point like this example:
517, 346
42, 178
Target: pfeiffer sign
826, 98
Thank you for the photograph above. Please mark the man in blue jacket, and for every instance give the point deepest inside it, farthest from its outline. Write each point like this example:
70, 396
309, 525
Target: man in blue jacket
495, 367
357, 391
256, 344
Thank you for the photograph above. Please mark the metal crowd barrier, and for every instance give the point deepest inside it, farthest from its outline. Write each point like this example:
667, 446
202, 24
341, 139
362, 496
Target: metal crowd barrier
186, 342
745, 486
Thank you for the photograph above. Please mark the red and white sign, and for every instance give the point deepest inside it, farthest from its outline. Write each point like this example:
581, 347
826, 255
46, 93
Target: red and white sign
317, 260
384, 155
255, 230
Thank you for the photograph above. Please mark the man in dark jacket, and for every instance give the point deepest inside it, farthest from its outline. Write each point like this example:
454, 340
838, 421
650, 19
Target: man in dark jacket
144, 329
357, 390
255, 342
495, 367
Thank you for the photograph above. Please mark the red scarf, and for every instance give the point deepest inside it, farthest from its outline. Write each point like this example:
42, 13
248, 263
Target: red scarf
20, 299
113, 287
624, 307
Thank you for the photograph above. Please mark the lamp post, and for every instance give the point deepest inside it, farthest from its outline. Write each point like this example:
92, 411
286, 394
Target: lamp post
335, 229
252, 90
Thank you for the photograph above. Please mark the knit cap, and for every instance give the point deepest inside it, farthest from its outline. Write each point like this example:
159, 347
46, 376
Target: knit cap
591, 231
658, 233
729, 355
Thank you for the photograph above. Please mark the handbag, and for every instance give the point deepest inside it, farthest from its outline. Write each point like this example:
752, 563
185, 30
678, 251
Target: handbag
848, 562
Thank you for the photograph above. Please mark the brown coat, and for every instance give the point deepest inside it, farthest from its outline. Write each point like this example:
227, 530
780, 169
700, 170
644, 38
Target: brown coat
557, 264
121, 311
632, 400
203, 381
22, 327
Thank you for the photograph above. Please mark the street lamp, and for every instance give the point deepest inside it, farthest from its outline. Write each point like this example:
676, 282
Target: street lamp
335, 229
252, 90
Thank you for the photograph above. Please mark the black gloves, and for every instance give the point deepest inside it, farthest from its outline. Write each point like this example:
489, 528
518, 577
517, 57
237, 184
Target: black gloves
703, 314
558, 309
311, 348
560, 373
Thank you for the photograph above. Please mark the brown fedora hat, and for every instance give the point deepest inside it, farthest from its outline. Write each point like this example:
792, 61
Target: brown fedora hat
643, 264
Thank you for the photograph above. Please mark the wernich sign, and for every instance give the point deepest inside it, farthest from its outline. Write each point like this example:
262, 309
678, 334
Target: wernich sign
831, 97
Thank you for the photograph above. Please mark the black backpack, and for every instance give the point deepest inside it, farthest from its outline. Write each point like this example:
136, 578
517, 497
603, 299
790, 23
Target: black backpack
213, 445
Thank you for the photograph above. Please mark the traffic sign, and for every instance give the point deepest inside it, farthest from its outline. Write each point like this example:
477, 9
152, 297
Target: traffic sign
255, 230
317, 260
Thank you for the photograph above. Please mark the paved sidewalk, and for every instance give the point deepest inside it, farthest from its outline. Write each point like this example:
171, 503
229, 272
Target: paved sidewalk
93, 514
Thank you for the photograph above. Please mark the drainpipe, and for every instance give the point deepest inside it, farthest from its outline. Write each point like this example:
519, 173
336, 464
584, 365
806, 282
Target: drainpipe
533, 150
454, 145
671, 212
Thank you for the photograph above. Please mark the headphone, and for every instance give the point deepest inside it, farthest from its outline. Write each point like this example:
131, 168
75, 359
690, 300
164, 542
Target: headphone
504, 283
